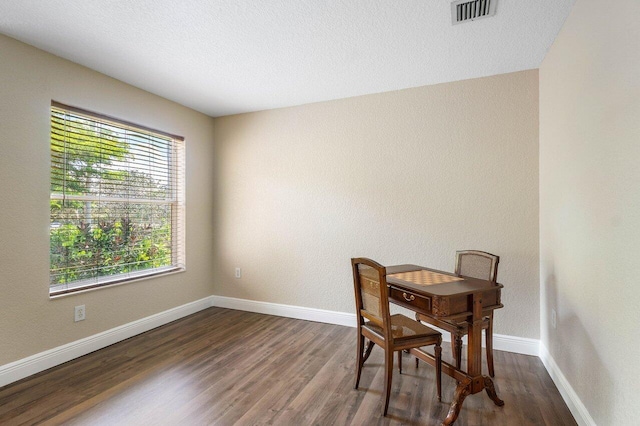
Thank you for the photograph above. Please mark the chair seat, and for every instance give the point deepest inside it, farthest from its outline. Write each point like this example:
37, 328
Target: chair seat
404, 328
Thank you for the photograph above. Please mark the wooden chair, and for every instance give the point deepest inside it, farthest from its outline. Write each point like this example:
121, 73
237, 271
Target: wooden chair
393, 333
473, 264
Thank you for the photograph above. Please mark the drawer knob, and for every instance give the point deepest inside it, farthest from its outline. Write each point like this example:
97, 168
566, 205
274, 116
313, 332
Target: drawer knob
408, 298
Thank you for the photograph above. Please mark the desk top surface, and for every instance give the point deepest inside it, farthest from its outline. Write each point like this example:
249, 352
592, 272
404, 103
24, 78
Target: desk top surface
432, 282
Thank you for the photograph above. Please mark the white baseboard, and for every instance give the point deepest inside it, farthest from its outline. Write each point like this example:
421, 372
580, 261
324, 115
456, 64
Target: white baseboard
515, 344
25, 367
288, 311
571, 398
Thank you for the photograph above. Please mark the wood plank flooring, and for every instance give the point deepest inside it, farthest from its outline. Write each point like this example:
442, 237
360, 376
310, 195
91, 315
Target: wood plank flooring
225, 367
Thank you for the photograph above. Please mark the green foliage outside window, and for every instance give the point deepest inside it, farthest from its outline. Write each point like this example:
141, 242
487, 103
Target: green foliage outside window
97, 236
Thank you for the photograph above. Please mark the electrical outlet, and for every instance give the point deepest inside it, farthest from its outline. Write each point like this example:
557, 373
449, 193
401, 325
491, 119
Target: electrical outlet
238, 273
553, 318
80, 313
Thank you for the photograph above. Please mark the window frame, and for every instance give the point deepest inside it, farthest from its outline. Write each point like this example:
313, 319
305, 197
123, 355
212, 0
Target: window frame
176, 203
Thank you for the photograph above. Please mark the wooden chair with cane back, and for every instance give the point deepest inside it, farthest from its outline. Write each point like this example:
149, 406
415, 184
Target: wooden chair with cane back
473, 264
393, 333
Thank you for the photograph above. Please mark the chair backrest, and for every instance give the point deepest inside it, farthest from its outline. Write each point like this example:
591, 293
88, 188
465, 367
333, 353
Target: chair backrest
372, 295
477, 264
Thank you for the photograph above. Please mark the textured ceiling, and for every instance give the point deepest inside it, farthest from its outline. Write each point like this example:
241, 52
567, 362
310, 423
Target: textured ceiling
224, 57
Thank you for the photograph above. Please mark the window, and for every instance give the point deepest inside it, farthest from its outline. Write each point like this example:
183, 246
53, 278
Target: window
117, 201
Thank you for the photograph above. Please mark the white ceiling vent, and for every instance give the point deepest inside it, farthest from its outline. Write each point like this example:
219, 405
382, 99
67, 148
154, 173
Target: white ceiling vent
469, 10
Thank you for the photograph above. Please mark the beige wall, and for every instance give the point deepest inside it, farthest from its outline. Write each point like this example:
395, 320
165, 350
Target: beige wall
30, 322
401, 177
590, 206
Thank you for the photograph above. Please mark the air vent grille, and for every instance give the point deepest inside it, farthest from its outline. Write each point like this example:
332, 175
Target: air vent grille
466, 10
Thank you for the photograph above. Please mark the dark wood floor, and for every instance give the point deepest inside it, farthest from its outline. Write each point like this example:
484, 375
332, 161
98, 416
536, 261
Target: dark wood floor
226, 367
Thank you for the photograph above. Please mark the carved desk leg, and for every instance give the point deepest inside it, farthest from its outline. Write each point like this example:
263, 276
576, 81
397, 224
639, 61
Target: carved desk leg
462, 391
491, 391
475, 381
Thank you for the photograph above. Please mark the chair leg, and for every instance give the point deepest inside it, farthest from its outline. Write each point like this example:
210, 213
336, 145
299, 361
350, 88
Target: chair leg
438, 356
453, 346
489, 344
362, 358
418, 319
359, 359
370, 346
388, 366
456, 345
400, 361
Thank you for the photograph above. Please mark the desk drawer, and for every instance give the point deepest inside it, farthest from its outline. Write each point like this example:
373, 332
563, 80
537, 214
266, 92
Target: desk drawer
411, 300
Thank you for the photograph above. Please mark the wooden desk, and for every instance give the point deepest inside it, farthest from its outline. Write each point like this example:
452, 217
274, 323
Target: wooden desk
447, 296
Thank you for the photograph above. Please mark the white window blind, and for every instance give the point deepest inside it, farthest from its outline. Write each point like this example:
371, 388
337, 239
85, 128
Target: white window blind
117, 201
